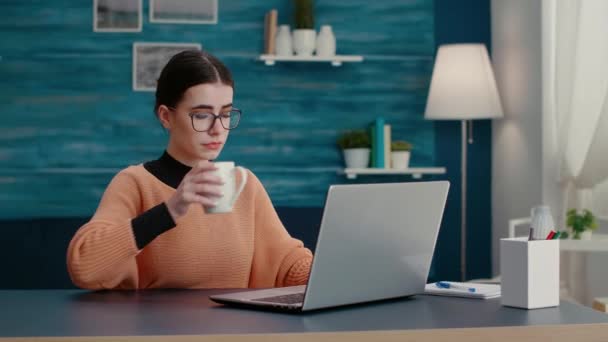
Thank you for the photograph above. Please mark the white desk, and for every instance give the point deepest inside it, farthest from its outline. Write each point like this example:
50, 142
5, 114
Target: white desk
598, 243
583, 268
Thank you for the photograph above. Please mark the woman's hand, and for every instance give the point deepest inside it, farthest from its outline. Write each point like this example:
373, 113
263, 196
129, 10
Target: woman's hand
200, 186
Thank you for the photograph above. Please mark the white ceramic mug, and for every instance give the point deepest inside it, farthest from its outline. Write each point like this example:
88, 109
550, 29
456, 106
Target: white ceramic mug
227, 172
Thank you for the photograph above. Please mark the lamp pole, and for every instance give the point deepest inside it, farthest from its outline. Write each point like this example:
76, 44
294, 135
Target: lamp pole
463, 202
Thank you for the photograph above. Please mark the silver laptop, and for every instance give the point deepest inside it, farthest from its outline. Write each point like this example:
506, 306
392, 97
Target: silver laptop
376, 241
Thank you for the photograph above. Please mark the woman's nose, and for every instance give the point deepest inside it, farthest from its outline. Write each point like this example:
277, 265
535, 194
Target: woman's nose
216, 127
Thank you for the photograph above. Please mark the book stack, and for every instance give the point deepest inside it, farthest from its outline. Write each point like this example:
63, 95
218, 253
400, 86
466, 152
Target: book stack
380, 137
270, 31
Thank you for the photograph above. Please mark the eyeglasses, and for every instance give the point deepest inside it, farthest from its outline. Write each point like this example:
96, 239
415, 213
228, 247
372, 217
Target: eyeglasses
203, 121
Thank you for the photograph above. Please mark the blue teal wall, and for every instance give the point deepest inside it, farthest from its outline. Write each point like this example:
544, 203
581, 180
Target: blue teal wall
462, 22
70, 120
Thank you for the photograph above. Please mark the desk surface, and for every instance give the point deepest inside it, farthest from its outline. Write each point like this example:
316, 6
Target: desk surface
28, 313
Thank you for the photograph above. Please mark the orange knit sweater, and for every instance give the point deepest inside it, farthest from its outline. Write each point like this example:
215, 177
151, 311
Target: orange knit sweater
248, 247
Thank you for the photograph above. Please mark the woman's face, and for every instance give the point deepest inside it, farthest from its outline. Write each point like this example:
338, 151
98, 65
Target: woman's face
185, 143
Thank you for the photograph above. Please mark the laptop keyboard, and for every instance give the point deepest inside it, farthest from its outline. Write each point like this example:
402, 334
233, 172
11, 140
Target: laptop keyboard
293, 298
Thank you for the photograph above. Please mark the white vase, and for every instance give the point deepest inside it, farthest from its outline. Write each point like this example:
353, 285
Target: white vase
304, 41
326, 42
542, 222
356, 158
400, 159
586, 235
283, 44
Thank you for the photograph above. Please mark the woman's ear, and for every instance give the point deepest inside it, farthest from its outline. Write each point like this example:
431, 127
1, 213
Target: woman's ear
164, 115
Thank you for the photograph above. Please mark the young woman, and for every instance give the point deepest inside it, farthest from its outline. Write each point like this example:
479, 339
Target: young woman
151, 229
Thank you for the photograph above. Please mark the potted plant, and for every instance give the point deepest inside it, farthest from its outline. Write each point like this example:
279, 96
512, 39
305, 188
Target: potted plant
400, 154
304, 35
355, 146
582, 223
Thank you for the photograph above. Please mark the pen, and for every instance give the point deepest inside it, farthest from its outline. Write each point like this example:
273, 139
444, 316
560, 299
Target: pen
531, 236
550, 236
446, 285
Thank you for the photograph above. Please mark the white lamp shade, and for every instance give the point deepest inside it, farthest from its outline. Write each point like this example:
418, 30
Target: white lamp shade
463, 85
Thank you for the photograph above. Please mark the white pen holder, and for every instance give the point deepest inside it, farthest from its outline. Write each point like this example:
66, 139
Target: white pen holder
529, 273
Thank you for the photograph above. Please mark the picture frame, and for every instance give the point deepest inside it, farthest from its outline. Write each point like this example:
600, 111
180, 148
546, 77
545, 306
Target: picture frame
117, 15
149, 59
184, 11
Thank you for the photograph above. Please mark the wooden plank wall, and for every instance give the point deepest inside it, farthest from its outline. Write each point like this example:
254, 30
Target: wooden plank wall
69, 119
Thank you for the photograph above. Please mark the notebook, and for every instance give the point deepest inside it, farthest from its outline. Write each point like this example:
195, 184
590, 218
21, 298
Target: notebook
482, 291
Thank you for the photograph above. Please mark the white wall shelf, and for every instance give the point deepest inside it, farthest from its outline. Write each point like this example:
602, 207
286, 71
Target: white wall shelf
336, 60
415, 172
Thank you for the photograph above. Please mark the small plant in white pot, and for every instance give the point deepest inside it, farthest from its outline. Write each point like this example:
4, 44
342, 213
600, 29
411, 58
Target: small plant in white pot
304, 35
400, 154
582, 223
355, 146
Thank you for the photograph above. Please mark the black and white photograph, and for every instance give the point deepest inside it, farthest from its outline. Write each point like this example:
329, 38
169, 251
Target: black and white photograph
184, 11
150, 58
117, 15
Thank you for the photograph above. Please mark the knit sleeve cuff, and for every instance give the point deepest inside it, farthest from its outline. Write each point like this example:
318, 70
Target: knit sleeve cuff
293, 258
150, 224
298, 273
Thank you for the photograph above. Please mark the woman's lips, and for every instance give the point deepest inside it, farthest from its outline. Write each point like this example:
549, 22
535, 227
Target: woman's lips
213, 146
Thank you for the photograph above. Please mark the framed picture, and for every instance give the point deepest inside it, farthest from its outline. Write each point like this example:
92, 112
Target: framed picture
150, 58
183, 11
117, 15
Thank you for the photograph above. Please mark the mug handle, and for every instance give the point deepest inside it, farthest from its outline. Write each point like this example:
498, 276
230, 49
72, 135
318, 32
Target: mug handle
242, 186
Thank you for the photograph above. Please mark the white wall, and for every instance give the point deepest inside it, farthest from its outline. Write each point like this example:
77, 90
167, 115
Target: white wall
525, 164
517, 158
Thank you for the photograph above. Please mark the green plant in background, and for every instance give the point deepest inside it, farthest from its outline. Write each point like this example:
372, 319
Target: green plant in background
580, 221
400, 145
303, 13
354, 139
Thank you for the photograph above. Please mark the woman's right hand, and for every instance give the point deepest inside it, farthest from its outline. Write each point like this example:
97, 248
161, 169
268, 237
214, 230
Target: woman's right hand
200, 185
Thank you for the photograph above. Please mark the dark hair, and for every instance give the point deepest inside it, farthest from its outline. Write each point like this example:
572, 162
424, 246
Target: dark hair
186, 69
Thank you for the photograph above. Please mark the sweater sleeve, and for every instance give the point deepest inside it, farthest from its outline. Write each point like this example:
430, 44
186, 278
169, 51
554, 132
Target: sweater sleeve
278, 259
102, 253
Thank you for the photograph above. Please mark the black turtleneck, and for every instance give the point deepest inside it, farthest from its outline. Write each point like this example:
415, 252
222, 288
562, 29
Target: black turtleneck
157, 220
168, 170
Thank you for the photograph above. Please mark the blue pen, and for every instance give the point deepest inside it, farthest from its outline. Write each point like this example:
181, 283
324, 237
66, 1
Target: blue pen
446, 285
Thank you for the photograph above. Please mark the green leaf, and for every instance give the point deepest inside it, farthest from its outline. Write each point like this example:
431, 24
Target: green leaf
400, 145
579, 222
354, 139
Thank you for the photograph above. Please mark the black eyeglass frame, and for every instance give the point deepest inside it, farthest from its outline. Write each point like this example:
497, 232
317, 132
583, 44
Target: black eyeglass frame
215, 117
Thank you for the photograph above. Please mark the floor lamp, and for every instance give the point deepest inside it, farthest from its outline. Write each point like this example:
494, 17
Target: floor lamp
463, 88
